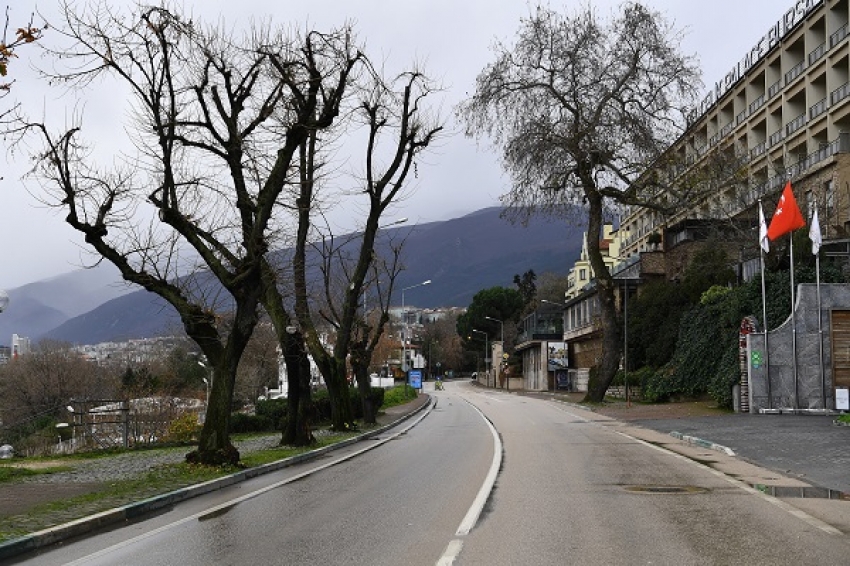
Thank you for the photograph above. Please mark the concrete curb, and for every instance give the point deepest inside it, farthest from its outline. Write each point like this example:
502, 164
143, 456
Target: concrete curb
40, 539
703, 443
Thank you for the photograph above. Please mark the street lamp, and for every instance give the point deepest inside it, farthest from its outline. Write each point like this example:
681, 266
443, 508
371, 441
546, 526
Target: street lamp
502, 334
486, 348
404, 328
207, 382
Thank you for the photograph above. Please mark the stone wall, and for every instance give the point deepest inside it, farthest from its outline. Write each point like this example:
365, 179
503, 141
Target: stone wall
771, 375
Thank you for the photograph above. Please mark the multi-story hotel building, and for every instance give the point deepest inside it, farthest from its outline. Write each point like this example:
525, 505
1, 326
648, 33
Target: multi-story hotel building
781, 113
783, 110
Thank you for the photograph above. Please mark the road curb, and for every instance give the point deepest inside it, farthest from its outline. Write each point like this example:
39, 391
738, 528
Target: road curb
703, 443
85, 525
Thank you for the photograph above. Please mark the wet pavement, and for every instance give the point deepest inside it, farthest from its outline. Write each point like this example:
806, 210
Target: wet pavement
811, 448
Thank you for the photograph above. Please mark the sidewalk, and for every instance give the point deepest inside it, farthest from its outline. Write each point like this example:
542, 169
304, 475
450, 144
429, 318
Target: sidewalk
809, 448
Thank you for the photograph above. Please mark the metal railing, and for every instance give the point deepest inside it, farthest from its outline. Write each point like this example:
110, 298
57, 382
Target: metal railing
839, 34
817, 109
817, 53
756, 104
795, 71
795, 124
840, 93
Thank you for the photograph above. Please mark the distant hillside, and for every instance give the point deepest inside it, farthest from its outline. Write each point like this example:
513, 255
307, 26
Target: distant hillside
38, 307
460, 257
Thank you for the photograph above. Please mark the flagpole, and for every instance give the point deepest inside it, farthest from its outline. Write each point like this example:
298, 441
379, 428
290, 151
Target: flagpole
764, 326
793, 329
820, 332
815, 236
786, 219
762, 243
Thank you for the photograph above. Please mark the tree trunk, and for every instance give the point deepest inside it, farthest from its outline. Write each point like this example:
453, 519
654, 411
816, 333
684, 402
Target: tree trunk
609, 327
299, 400
214, 447
338, 392
360, 365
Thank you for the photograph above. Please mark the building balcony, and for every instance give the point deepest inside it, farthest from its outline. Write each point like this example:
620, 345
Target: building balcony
758, 150
774, 89
838, 36
795, 71
817, 109
795, 124
817, 53
756, 104
775, 138
839, 94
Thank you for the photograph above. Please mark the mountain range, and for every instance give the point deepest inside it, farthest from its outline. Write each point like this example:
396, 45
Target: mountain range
460, 256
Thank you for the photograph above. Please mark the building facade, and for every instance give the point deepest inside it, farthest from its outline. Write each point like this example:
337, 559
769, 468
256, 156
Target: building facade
783, 113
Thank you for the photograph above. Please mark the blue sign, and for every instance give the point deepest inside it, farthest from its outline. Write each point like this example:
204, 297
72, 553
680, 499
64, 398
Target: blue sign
414, 378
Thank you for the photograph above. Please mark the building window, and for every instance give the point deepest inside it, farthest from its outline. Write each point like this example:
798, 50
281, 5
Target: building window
582, 274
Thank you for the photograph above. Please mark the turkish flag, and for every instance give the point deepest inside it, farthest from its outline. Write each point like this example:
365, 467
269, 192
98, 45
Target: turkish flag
787, 217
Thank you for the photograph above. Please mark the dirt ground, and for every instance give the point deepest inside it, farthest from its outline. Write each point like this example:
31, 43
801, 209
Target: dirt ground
17, 498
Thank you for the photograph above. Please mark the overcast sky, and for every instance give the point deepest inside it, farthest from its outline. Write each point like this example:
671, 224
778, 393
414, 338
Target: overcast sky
451, 38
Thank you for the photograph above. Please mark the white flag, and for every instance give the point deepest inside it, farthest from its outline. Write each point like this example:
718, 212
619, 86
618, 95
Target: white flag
814, 234
764, 242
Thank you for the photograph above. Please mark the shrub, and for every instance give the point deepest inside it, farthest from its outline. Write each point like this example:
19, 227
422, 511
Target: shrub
273, 409
184, 428
241, 423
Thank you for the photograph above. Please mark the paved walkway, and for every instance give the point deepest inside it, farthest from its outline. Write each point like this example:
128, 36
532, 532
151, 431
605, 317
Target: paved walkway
810, 448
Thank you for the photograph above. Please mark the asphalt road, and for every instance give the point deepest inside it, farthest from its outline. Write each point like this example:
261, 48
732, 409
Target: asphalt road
575, 491
398, 503
569, 490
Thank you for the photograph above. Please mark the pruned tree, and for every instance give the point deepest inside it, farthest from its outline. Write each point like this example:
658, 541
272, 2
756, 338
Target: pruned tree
370, 325
218, 126
398, 128
582, 110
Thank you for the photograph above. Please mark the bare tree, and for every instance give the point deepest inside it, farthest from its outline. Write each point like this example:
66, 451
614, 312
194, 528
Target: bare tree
391, 111
581, 111
44, 380
218, 127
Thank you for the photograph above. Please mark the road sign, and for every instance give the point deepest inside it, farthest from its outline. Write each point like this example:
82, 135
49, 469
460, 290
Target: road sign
414, 378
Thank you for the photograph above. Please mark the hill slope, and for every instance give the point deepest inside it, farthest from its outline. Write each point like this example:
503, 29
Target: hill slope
460, 256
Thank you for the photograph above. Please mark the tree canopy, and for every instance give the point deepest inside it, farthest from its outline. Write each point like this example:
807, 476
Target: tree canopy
581, 109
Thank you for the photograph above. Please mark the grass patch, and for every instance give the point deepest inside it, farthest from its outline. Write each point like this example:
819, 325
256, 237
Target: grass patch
16, 472
398, 395
262, 457
843, 418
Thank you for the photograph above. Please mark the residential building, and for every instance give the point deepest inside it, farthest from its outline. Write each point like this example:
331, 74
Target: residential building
581, 275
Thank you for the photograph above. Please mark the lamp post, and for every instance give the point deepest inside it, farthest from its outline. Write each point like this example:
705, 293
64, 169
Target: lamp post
502, 337
486, 347
404, 328
404, 334
207, 382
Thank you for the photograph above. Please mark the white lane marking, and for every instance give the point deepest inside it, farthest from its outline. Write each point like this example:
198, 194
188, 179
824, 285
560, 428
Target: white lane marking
468, 523
247, 496
451, 553
812, 521
478, 504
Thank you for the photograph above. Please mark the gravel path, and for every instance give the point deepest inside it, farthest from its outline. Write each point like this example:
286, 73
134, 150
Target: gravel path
132, 465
